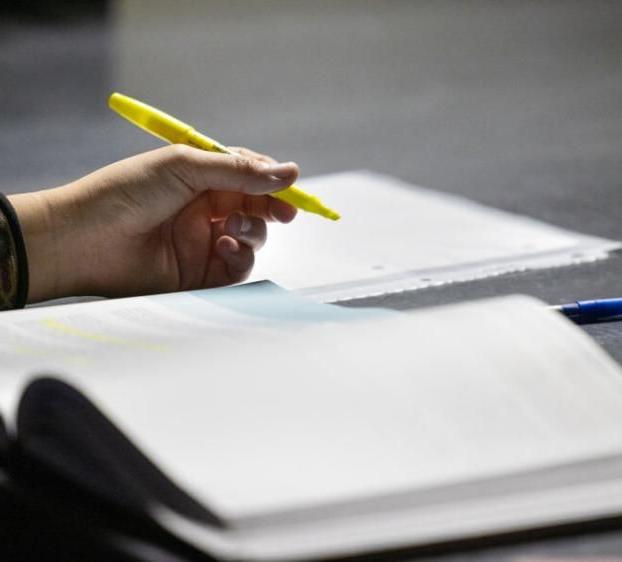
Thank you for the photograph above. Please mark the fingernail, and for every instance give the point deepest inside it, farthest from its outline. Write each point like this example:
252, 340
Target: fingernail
234, 224
238, 223
246, 225
282, 170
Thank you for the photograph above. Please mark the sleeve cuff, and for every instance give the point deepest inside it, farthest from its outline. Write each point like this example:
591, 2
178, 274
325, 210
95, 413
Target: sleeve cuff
13, 259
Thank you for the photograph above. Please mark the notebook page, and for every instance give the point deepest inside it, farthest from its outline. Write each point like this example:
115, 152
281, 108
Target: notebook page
394, 236
325, 413
125, 338
391, 405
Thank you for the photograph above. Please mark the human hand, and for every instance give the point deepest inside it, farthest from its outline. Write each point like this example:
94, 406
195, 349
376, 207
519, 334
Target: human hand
172, 219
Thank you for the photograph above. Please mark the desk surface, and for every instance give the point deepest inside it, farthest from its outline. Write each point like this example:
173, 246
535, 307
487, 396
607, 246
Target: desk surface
515, 104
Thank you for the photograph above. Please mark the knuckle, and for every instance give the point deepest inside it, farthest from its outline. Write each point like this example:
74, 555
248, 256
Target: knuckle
249, 167
179, 153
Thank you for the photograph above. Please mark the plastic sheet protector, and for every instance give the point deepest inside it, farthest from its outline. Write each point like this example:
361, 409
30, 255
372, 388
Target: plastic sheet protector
394, 236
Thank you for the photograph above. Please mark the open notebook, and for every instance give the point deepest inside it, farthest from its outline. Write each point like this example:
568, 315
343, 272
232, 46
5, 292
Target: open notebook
259, 426
394, 236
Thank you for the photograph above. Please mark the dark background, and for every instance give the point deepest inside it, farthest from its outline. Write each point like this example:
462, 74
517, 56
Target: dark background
515, 104
51, 11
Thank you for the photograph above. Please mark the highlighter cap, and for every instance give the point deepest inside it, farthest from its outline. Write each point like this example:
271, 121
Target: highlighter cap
149, 118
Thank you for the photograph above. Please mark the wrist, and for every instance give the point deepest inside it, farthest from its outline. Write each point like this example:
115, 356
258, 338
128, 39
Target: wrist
49, 236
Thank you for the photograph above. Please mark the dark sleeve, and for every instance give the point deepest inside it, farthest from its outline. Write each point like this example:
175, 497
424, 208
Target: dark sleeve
13, 261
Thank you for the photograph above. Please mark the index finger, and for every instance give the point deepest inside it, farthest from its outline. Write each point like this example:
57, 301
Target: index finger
223, 204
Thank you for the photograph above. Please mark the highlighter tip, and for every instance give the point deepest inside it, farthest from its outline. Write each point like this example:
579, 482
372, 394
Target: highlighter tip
113, 99
332, 215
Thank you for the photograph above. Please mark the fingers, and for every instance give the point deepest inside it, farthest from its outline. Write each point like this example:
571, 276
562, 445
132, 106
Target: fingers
235, 187
238, 260
265, 207
200, 170
235, 242
251, 231
280, 211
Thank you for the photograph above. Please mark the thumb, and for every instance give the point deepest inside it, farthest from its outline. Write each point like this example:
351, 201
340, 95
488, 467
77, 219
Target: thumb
201, 170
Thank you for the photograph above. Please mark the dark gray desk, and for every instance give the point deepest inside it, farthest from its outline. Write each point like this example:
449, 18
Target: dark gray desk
516, 104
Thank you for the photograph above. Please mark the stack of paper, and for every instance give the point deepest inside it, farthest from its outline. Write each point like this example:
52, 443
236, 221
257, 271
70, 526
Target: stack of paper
394, 237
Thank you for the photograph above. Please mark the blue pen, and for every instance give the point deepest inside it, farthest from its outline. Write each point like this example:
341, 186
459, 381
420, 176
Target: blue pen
588, 312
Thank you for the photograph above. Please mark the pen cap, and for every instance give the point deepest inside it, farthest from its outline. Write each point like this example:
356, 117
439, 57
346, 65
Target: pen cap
149, 118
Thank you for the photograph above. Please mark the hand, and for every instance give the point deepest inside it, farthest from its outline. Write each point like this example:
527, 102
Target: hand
172, 219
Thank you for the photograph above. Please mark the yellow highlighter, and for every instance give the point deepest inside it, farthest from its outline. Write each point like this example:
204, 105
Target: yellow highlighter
175, 131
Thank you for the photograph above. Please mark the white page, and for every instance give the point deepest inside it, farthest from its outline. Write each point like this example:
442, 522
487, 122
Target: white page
272, 415
327, 414
394, 236
125, 339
